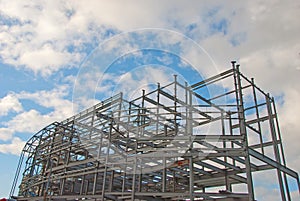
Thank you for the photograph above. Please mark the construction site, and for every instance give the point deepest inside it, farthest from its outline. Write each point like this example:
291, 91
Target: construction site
203, 141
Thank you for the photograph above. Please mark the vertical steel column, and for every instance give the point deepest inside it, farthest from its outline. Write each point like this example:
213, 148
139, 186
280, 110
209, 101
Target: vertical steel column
125, 168
41, 186
191, 177
106, 159
142, 118
87, 187
51, 165
282, 153
174, 181
69, 152
140, 162
275, 145
62, 187
231, 133
186, 108
73, 185
164, 175
227, 184
66, 156
83, 178
134, 172
95, 179
48, 181
140, 177
111, 182
157, 109
126, 150
97, 166
92, 123
175, 105
190, 133
119, 112
189, 120
243, 131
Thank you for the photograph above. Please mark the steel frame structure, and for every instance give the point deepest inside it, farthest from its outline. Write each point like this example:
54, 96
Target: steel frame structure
177, 142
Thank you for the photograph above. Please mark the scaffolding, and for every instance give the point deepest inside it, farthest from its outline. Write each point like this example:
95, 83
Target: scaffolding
177, 142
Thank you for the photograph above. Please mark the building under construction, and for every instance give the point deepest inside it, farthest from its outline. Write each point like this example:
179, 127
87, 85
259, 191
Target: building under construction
204, 141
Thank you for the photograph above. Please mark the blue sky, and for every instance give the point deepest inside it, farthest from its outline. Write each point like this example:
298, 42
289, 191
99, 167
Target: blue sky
48, 50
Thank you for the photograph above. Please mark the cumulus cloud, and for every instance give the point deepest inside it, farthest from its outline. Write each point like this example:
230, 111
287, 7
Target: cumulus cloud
6, 134
31, 121
10, 103
55, 99
41, 37
46, 59
289, 122
47, 36
15, 147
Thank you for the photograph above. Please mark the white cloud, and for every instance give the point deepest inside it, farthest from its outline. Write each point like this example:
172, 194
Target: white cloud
32, 121
29, 121
46, 59
6, 134
68, 27
55, 99
41, 35
15, 147
144, 77
267, 194
267, 191
289, 122
10, 103
275, 69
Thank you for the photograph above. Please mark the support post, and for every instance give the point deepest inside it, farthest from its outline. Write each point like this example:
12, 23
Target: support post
275, 146
282, 152
243, 130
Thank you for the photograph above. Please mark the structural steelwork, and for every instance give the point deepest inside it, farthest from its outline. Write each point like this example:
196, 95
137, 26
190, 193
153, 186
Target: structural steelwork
204, 141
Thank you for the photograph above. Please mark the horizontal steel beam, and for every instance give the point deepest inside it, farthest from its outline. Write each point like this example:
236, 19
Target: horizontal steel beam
273, 163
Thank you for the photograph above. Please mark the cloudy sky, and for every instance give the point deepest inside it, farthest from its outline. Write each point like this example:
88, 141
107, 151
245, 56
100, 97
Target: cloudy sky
48, 50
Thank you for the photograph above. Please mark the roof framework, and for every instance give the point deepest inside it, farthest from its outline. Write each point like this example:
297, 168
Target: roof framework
177, 142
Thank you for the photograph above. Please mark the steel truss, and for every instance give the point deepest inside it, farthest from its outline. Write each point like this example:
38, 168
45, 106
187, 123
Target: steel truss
177, 142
